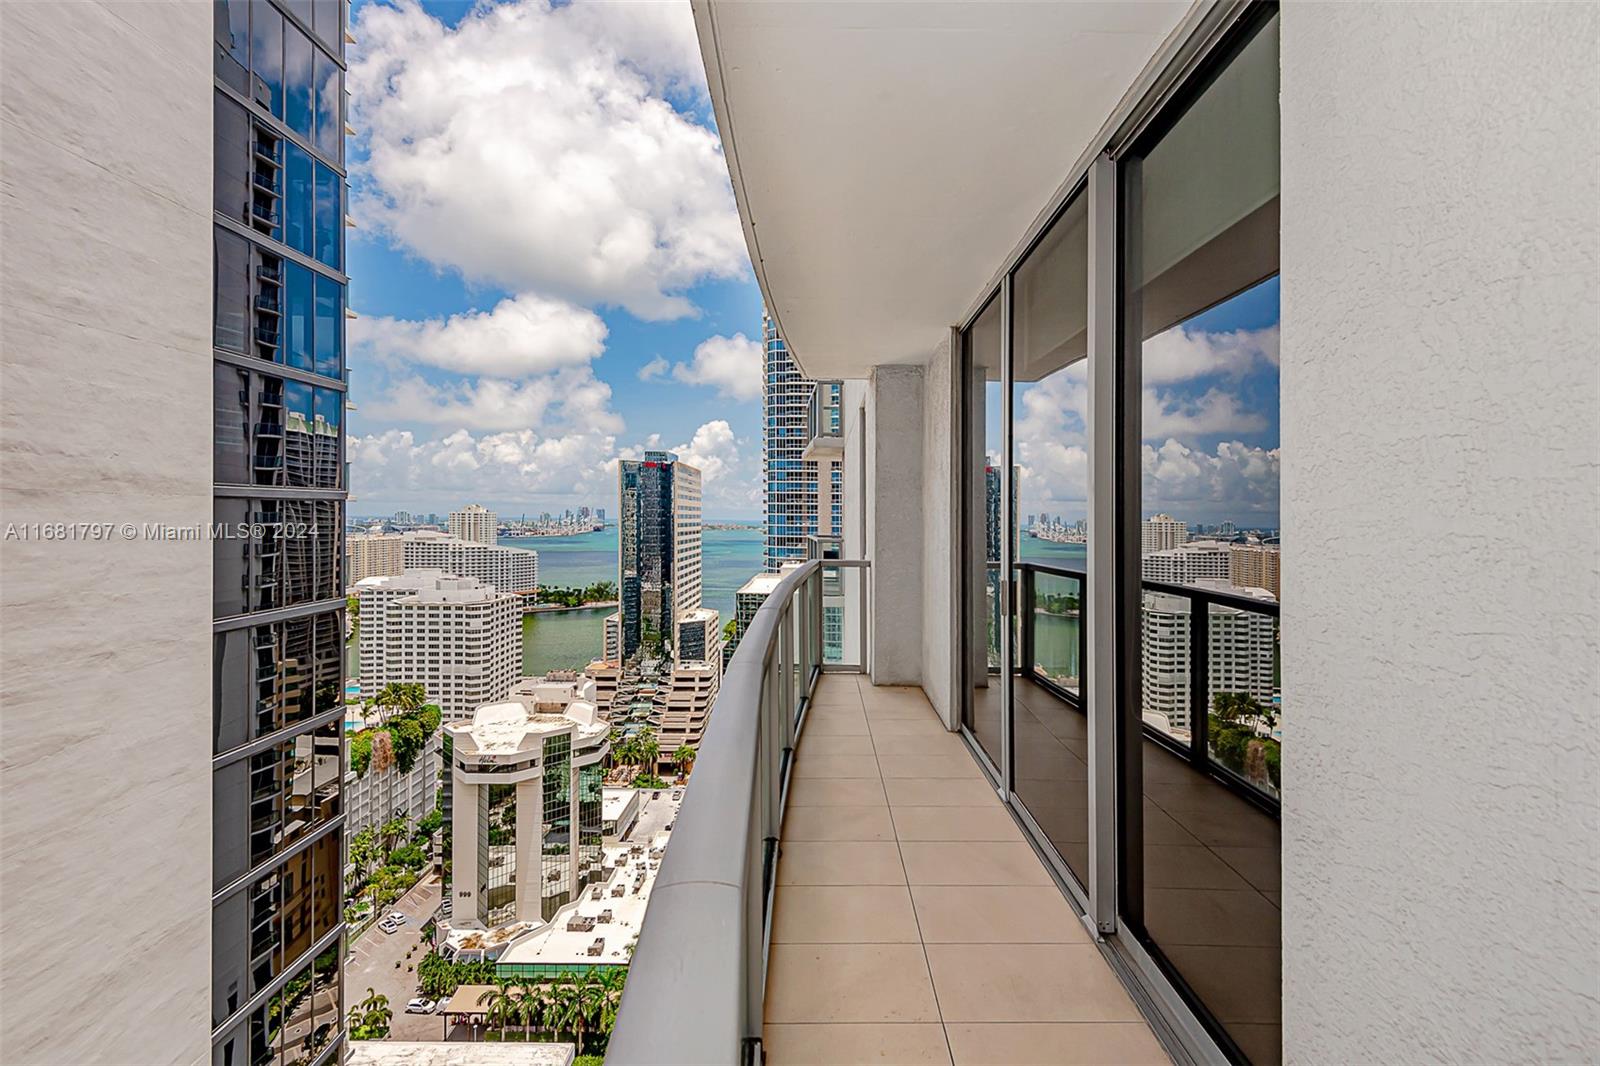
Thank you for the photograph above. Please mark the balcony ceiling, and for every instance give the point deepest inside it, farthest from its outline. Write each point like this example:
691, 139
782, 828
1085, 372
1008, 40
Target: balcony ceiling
888, 156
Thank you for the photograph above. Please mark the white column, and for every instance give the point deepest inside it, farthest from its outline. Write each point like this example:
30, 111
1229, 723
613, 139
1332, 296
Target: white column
464, 851
530, 847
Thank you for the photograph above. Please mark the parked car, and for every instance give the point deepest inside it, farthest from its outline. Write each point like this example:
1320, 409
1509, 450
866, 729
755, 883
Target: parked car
420, 1005
397, 917
387, 926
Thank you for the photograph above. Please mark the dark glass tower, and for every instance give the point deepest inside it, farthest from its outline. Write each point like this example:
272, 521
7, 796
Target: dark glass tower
278, 635
645, 551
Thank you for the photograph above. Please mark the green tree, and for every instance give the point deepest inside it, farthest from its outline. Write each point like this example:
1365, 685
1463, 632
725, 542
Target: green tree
500, 1007
684, 756
369, 1019
648, 750
393, 830
364, 850
530, 1006
612, 978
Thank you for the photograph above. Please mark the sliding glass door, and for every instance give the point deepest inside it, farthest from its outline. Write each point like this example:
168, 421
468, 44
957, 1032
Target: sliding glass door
1201, 714
1162, 279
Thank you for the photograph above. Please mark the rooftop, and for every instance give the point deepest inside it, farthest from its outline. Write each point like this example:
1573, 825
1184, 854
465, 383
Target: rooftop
403, 1053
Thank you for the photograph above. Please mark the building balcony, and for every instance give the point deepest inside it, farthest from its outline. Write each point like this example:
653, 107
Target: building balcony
824, 426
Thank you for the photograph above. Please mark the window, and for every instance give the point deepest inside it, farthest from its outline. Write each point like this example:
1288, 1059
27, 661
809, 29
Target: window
267, 74
330, 327
297, 439
232, 29
980, 497
298, 72
231, 425
327, 23
329, 98
326, 439
231, 311
1200, 240
299, 318
329, 217
299, 197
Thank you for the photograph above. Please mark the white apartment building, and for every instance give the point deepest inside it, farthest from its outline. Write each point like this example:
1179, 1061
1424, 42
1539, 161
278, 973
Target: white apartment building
373, 555
1161, 532
1197, 560
611, 638
475, 523
1239, 656
375, 797
527, 829
507, 569
687, 522
457, 637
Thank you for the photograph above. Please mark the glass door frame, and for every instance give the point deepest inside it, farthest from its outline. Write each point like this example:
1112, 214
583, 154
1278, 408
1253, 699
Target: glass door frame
1112, 600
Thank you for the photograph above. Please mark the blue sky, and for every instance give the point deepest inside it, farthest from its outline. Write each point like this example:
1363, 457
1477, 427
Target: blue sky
548, 268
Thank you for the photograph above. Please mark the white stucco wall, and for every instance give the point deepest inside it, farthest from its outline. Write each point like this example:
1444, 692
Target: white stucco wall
939, 442
105, 416
1441, 492
894, 522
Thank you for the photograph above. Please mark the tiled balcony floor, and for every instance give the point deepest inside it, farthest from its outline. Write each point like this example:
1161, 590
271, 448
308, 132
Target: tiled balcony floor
913, 923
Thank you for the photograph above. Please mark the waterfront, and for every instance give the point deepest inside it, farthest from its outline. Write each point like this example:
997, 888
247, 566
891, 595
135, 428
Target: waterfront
570, 639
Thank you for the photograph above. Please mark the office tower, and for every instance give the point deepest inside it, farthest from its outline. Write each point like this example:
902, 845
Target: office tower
1160, 532
1239, 655
460, 639
658, 553
512, 839
1196, 560
507, 569
475, 523
373, 555
600, 513
790, 481
698, 638
1254, 566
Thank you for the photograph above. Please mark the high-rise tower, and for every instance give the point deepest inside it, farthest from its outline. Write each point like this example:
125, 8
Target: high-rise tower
658, 553
789, 481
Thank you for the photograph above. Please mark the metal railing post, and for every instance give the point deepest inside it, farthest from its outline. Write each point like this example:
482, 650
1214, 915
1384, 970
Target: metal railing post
1199, 678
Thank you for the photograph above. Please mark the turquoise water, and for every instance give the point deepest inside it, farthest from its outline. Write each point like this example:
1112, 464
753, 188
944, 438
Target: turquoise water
570, 639
729, 557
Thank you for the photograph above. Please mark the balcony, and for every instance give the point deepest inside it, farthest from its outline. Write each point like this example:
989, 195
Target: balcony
844, 885
825, 422
269, 429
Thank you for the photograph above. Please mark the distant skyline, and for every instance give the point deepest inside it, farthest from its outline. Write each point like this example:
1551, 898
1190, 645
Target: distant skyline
534, 305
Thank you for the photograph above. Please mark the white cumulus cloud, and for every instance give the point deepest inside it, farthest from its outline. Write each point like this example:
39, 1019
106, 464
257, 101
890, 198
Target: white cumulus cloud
1235, 480
655, 368
731, 365
568, 400
509, 469
534, 147
525, 334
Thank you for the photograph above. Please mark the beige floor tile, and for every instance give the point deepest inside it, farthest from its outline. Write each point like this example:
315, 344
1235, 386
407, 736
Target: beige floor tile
824, 744
1201, 916
1011, 914
1055, 1044
844, 914
820, 725
849, 983
972, 863
940, 792
840, 862
834, 712
954, 765
870, 822
989, 822
817, 766
1027, 983
938, 741
922, 726
1169, 866
836, 685
836, 697
1259, 866
909, 1044
899, 709
837, 792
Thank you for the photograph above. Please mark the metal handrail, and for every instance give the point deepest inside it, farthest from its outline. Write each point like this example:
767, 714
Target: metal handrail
697, 977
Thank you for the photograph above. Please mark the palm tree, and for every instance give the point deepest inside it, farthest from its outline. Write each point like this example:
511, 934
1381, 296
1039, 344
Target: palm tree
501, 1007
369, 1019
684, 756
588, 1000
393, 830
561, 1006
530, 1006
612, 979
648, 749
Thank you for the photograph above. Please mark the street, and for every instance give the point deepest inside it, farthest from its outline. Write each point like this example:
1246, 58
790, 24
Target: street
372, 964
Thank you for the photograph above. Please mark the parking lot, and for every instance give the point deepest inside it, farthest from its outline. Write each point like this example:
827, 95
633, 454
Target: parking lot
372, 964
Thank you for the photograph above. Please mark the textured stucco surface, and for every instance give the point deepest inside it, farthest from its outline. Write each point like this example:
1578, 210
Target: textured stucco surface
1441, 491
894, 522
938, 523
105, 416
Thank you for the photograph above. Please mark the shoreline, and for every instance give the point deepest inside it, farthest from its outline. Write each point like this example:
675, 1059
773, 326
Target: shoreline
556, 608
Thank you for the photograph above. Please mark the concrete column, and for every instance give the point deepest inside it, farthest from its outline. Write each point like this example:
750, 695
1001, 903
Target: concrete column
894, 523
530, 848
464, 851
572, 833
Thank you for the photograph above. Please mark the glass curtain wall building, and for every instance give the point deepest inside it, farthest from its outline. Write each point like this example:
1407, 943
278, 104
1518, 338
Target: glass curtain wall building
278, 455
789, 479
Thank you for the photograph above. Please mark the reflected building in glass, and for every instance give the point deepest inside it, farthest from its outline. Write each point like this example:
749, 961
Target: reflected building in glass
278, 313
